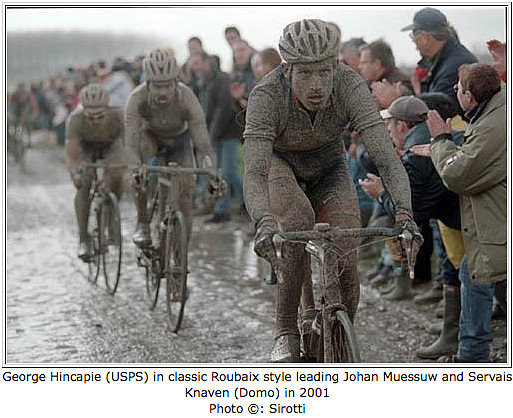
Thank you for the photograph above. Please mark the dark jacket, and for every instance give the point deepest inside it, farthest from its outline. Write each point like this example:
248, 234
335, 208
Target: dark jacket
429, 197
477, 170
216, 99
443, 70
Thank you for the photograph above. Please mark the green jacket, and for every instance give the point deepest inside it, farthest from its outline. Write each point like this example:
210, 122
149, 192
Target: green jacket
477, 171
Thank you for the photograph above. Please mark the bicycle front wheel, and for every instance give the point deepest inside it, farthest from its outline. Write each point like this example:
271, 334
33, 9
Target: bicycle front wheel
176, 270
154, 270
111, 242
341, 345
93, 232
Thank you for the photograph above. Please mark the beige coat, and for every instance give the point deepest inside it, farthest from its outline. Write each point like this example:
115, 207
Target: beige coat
477, 171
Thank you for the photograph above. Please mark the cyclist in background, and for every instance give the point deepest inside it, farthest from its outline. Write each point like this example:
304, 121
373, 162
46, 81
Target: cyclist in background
93, 131
162, 117
296, 172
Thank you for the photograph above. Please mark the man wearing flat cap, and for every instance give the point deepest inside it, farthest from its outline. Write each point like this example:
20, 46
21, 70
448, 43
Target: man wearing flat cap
441, 51
406, 122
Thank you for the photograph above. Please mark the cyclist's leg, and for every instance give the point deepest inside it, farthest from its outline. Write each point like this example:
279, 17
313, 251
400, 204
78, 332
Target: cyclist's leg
181, 153
293, 211
82, 207
146, 148
114, 176
335, 202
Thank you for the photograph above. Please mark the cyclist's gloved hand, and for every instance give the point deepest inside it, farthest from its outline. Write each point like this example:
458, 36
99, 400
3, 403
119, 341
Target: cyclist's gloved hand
136, 180
78, 177
216, 187
413, 238
266, 227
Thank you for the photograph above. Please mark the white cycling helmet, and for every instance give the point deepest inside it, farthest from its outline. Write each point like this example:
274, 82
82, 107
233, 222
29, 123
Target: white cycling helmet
161, 66
94, 95
309, 40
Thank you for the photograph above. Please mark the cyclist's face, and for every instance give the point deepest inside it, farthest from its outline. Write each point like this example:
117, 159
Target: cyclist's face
312, 83
95, 117
161, 92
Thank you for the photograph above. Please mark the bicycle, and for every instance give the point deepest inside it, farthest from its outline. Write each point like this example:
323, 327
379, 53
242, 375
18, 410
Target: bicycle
337, 342
103, 228
166, 256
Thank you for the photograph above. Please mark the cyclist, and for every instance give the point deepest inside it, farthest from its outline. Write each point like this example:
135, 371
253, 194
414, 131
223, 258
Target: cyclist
296, 172
162, 117
93, 131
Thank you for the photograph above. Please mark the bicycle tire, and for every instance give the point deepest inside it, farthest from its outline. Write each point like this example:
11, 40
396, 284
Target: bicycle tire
93, 228
153, 271
110, 239
344, 345
176, 270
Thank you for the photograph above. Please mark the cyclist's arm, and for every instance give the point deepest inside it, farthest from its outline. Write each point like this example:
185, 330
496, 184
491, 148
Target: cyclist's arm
368, 122
197, 127
133, 125
259, 135
74, 152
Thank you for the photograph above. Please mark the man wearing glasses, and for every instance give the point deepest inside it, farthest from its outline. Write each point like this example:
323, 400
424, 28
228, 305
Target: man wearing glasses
93, 131
442, 54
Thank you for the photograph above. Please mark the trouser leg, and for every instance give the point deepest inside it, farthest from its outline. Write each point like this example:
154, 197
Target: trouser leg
475, 319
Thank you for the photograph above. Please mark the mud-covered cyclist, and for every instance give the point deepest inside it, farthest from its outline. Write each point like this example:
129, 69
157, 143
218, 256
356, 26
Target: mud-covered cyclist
162, 117
93, 131
295, 169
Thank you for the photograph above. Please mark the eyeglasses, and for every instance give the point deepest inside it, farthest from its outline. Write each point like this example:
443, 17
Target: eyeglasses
456, 88
414, 33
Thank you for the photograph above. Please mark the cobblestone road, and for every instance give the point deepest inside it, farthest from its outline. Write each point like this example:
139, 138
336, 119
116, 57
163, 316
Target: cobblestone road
55, 316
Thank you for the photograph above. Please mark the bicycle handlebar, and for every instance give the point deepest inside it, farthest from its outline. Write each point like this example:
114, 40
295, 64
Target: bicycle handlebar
180, 170
330, 233
327, 233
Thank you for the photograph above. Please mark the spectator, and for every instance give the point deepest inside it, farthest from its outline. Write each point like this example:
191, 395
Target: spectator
215, 98
349, 53
264, 62
430, 199
118, 83
243, 79
377, 63
477, 171
232, 34
442, 54
498, 52
194, 44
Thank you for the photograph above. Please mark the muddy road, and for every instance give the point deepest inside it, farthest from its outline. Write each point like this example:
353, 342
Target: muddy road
54, 315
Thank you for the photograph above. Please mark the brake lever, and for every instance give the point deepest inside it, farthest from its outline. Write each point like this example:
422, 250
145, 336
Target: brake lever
407, 239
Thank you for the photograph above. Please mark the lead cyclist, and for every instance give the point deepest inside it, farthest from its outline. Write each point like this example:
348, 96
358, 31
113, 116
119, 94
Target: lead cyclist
295, 168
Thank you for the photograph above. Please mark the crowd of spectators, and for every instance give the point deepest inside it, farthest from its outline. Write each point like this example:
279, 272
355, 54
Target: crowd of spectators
436, 85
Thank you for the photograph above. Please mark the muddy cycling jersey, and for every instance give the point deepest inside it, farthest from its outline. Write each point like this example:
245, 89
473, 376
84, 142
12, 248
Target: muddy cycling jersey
276, 123
167, 122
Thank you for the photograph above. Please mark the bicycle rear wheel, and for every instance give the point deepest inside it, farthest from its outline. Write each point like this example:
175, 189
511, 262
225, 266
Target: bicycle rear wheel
111, 242
341, 345
176, 270
93, 232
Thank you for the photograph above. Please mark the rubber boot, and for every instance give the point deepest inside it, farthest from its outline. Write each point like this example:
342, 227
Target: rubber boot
447, 342
433, 295
402, 285
141, 235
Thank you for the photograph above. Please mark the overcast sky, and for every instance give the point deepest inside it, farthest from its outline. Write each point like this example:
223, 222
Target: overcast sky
262, 25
